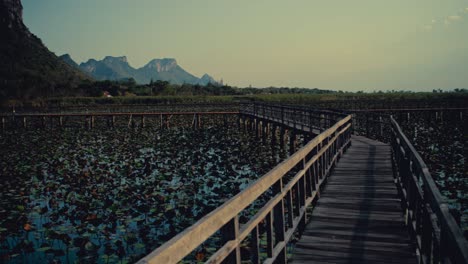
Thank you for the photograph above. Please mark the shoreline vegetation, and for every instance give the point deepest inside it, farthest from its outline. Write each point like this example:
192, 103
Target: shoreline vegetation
114, 93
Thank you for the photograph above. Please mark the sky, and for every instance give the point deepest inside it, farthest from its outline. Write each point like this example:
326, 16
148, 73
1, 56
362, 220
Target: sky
368, 45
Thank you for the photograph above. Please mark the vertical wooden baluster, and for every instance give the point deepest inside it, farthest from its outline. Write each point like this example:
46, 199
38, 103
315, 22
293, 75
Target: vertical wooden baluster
161, 122
296, 199
255, 246
308, 176
230, 231
279, 222
426, 236
269, 233
289, 204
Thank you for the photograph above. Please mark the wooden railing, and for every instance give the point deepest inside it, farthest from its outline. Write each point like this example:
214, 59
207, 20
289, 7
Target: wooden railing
437, 235
284, 213
298, 117
14, 120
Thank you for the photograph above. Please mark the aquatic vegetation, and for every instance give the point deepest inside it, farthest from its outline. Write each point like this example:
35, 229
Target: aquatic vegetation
113, 195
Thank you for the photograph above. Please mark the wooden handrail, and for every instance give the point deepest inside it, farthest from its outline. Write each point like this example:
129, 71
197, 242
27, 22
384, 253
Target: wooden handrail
315, 159
436, 241
119, 114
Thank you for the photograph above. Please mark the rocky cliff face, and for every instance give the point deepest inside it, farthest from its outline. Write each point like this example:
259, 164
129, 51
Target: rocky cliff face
28, 69
161, 65
11, 15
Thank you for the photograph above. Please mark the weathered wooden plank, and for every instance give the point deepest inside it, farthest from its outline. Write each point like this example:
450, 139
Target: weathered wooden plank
359, 217
308, 254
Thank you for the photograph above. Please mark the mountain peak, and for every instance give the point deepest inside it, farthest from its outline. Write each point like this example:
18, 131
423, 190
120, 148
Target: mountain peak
115, 59
206, 79
161, 65
68, 59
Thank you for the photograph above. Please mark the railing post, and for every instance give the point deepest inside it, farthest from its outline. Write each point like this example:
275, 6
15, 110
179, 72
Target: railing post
282, 114
269, 234
230, 231
255, 246
279, 222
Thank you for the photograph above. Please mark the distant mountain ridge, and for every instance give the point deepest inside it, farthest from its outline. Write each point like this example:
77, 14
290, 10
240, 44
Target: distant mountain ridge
117, 68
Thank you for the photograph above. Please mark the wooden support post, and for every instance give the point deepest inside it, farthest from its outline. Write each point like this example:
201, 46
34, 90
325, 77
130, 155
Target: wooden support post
130, 121
282, 135
3, 123
367, 125
43, 121
195, 122
273, 135
264, 132
244, 124
61, 121
381, 126
166, 122
161, 122
229, 232
113, 121
252, 124
142, 121
92, 122
256, 127
292, 142
225, 121
24, 122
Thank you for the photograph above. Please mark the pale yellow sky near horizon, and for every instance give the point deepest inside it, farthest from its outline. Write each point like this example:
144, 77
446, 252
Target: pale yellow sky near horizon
341, 45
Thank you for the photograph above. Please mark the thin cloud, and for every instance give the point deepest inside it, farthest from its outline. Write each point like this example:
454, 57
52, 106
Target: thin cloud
428, 27
447, 20
454, 18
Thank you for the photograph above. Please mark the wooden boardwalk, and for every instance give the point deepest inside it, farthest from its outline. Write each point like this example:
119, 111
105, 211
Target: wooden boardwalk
358, 218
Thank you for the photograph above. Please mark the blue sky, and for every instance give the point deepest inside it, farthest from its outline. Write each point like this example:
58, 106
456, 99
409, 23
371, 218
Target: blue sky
367, 45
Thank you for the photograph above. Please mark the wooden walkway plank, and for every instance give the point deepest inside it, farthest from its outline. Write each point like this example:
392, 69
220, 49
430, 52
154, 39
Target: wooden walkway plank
358, 218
